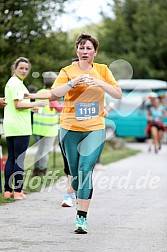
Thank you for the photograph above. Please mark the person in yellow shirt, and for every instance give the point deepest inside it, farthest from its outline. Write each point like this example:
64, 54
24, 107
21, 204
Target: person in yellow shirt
82, 129
17, 127
45, 127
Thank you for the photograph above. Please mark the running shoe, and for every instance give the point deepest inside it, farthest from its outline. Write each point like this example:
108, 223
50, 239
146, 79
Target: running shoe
80, 225
67, 202
8, 195
19, 195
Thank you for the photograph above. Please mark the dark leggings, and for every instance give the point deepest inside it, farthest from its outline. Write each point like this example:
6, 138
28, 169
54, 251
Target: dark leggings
14, 168
82, 150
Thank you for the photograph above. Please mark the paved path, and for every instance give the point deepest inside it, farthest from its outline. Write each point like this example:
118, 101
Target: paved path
128, 212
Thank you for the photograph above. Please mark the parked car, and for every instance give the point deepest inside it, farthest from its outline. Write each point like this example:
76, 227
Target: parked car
128, 118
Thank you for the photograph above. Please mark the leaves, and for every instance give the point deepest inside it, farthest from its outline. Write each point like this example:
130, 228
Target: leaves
134, 30
137, 33
25, 30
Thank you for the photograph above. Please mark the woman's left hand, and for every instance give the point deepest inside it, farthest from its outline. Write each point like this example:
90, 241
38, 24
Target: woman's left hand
90, 81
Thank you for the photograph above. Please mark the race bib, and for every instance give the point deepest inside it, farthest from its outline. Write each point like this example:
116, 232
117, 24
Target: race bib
86, 110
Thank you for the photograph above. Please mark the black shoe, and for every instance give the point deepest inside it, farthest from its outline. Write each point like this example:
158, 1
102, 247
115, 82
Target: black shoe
80, 230
37, 172
43, 172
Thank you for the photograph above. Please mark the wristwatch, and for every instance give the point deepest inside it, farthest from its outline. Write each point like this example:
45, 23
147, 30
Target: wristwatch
69, 83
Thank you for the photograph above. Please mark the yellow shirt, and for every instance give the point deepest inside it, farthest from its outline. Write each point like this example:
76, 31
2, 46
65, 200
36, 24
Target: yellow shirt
82, 94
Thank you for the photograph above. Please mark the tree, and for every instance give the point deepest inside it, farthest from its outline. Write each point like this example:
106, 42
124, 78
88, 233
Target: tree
52, 52
137, 33
151, 40
22, 25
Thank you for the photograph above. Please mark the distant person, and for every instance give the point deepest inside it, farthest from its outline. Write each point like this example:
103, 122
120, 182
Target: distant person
82, 133
150, 99
17, 127
45, 127
156, 127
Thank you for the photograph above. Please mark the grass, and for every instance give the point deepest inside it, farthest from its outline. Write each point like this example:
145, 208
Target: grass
36, 184
55, 169
110, 154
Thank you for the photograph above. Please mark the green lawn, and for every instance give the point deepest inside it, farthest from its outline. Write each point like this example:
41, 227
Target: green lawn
55, 169
110, 155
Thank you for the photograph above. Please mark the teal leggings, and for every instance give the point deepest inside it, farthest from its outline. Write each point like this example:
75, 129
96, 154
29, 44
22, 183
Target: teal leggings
82, 150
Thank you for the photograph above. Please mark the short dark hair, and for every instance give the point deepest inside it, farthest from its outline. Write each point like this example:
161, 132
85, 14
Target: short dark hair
83, 37
48, 78
32, 89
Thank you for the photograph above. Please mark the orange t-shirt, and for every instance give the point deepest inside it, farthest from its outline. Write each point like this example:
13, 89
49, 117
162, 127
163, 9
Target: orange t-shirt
83, 100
